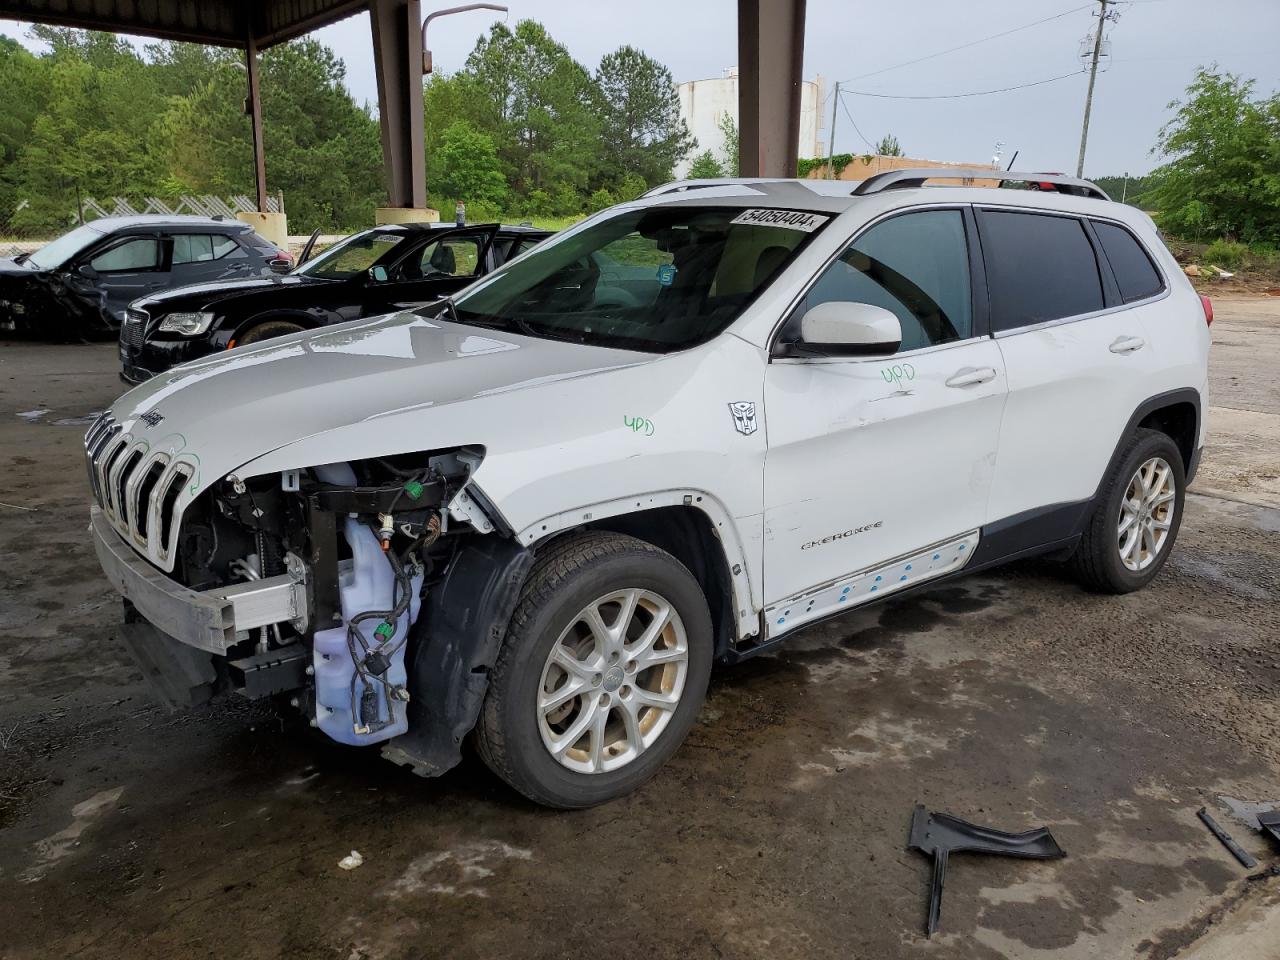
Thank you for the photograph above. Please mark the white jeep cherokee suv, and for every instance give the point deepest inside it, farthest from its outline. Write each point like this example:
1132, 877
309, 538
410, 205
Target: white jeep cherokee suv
534, 515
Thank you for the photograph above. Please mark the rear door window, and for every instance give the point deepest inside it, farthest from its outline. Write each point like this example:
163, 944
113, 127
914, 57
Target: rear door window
1039, 268
192, 248
1135, 274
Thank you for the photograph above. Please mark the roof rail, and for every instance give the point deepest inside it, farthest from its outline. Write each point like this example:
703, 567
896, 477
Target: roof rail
680, 186
904, 179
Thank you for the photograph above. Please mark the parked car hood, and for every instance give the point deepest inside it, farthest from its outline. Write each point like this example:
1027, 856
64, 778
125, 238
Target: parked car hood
207, 294
13, 267
221, 412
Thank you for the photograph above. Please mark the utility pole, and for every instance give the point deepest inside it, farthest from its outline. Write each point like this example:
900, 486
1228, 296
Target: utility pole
1093, 76
831, 140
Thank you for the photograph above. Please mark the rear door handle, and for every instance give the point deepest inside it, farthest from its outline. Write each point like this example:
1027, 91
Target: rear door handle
1127, 344
970, 376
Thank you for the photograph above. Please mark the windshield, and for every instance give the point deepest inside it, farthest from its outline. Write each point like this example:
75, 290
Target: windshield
352, 256
656, 280
54, 254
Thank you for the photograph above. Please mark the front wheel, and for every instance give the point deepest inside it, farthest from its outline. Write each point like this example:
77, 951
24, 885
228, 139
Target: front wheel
602, 673
1136, 520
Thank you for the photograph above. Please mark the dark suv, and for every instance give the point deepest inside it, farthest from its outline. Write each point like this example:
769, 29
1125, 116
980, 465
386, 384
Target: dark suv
376, 271
81, 283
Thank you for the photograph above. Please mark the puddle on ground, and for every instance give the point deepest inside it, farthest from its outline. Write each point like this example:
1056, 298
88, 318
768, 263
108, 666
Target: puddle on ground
39, 416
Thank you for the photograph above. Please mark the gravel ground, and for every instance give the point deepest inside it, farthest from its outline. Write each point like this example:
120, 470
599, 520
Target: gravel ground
1011, 698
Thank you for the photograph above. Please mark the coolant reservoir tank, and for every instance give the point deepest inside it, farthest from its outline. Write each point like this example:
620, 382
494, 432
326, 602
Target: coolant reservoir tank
367, 584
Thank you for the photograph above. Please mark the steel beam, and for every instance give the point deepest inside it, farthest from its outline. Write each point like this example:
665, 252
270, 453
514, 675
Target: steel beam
397, 51
770, 65
253, 106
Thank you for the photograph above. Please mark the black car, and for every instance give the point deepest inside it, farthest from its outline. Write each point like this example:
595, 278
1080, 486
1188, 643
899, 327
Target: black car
376, 271
81, 283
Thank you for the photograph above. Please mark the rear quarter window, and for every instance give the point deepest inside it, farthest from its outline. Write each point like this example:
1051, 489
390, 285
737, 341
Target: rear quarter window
1039, 268
1135, 274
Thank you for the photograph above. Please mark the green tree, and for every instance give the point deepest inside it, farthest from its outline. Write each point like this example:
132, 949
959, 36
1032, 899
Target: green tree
643, 132
539, 106
1223, 175
24, 81
94, 131
469, 167
729, 158
889, 146
705, 166
323, 151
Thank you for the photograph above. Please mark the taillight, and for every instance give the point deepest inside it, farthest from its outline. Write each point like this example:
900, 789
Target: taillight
1208, 310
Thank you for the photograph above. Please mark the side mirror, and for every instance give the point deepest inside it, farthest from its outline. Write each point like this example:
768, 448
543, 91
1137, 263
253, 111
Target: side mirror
840, 328
280, 265
378, 274
86, 271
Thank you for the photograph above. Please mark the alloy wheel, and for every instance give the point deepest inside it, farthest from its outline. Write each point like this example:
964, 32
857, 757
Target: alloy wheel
612, 681
1146, 514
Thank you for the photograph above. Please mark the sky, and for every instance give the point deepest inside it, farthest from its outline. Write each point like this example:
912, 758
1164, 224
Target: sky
1156, 46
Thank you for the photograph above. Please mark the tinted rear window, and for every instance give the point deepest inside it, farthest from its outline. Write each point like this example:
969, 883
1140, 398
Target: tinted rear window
1039, 268
1135, 273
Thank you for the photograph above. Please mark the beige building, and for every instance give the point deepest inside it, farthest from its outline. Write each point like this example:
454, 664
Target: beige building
861, 167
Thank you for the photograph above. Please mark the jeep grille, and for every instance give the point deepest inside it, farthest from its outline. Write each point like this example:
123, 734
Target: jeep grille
136, 488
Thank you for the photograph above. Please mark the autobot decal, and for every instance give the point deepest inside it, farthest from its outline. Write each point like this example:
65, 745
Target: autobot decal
744, 416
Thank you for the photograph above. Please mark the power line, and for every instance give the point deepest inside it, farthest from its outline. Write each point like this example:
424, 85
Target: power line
971, 43
958, 96
854, 124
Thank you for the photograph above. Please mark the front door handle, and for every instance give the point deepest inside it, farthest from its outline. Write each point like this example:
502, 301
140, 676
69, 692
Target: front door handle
1127, 344
970, 376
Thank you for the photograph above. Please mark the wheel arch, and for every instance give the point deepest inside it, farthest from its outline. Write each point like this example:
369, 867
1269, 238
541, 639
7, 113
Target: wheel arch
1180, 421
308, 321
695, 528
688, 535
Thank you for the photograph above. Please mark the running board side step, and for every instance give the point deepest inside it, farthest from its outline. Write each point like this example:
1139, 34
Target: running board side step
870, 584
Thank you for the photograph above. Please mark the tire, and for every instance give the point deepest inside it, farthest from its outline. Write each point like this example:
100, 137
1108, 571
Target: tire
1101, 560
602, 571
268, 330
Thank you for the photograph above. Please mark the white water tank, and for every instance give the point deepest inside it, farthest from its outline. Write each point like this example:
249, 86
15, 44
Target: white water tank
703, 103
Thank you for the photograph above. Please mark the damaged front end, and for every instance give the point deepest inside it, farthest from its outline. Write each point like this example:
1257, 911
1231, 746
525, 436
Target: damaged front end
310, 585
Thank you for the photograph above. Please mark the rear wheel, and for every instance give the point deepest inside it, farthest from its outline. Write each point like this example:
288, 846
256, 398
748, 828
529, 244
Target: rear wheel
268, 330
1139, 511
602, 673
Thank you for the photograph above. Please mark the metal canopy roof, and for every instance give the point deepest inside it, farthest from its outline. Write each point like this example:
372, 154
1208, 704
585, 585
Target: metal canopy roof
226, 23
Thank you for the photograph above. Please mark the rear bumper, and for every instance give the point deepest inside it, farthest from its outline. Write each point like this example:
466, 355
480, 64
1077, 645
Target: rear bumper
211, 620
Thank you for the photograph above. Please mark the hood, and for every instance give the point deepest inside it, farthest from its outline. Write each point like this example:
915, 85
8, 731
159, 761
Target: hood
221, 412
210, 293
12, 267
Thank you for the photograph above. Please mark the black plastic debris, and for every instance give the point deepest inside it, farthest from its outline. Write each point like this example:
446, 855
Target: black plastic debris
938, 835
1270, 824
1236, 850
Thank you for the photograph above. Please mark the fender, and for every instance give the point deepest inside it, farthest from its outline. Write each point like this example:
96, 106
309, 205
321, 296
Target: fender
747, 592
1059, 526
1145, 409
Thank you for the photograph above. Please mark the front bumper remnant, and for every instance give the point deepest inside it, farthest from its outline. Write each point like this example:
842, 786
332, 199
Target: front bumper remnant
210, 620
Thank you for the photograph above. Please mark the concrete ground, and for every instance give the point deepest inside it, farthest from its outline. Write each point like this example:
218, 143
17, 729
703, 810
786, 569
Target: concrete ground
1011, 698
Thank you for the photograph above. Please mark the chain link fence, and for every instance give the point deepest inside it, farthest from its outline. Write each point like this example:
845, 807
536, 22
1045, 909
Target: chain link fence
17, 236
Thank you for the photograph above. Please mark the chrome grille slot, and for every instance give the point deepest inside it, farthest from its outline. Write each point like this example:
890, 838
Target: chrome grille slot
142, 485
164, 500
111, 458
119, 483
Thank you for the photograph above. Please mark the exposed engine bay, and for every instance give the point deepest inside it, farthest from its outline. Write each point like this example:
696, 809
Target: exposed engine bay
362, 543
